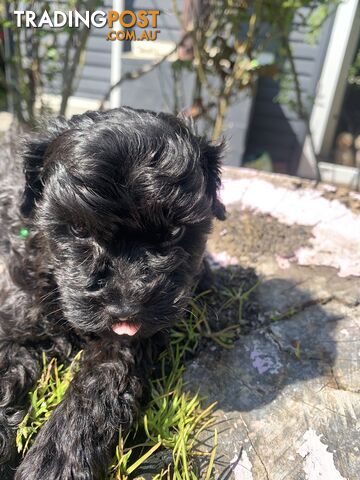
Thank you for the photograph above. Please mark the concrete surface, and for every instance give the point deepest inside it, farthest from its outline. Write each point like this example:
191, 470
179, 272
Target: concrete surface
288, 391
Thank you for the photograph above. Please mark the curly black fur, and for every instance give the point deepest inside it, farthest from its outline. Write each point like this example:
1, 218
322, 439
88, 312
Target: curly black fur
118, 206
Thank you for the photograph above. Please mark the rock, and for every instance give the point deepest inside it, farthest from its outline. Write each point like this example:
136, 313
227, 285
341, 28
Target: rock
288, 392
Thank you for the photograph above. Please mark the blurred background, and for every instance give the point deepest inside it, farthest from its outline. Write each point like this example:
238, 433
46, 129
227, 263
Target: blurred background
279, 79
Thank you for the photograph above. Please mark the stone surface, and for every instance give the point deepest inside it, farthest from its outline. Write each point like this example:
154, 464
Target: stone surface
288, 392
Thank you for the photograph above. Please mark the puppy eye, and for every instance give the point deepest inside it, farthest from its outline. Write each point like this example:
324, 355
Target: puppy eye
177, 233
174, 236
79, 231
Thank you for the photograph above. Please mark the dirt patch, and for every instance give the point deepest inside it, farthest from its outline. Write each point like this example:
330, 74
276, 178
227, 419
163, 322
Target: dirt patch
351, 200
248, 235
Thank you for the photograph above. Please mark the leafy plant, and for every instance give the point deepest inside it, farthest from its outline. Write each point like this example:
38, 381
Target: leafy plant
230, 40
228, 43
37, 59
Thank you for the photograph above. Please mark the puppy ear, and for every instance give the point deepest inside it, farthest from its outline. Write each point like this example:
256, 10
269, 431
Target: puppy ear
211, 161
33, 161
33, 157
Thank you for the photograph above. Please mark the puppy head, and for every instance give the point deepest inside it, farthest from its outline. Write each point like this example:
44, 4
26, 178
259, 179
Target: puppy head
124, 201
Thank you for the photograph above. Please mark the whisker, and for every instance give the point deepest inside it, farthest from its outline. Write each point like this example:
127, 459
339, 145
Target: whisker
55, 311
47, 295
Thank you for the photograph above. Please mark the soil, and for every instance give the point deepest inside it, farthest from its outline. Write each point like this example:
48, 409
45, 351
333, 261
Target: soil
258, 235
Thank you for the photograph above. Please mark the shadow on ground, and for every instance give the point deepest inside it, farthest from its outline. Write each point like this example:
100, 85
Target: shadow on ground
284, 336
284, 377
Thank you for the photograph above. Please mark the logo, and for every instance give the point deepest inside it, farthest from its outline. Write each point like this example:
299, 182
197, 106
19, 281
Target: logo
124, 25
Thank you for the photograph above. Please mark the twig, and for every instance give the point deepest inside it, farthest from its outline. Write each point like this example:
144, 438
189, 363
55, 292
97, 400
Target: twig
136, 74
69, 76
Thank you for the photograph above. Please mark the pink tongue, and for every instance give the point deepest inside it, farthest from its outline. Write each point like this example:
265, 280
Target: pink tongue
125, 328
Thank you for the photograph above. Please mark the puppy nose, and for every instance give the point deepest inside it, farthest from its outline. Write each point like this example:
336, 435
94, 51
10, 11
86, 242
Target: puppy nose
121, 312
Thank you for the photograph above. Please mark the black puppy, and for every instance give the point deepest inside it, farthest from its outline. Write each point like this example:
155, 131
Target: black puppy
114, 213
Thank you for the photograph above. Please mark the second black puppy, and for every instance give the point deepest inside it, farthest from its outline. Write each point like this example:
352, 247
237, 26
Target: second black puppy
117, 206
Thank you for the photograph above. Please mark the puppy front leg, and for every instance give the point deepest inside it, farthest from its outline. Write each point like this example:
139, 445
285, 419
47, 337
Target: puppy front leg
78, 439
19, 370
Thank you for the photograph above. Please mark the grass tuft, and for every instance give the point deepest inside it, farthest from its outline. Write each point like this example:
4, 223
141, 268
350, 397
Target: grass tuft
173, 421
47, 394
166, 441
